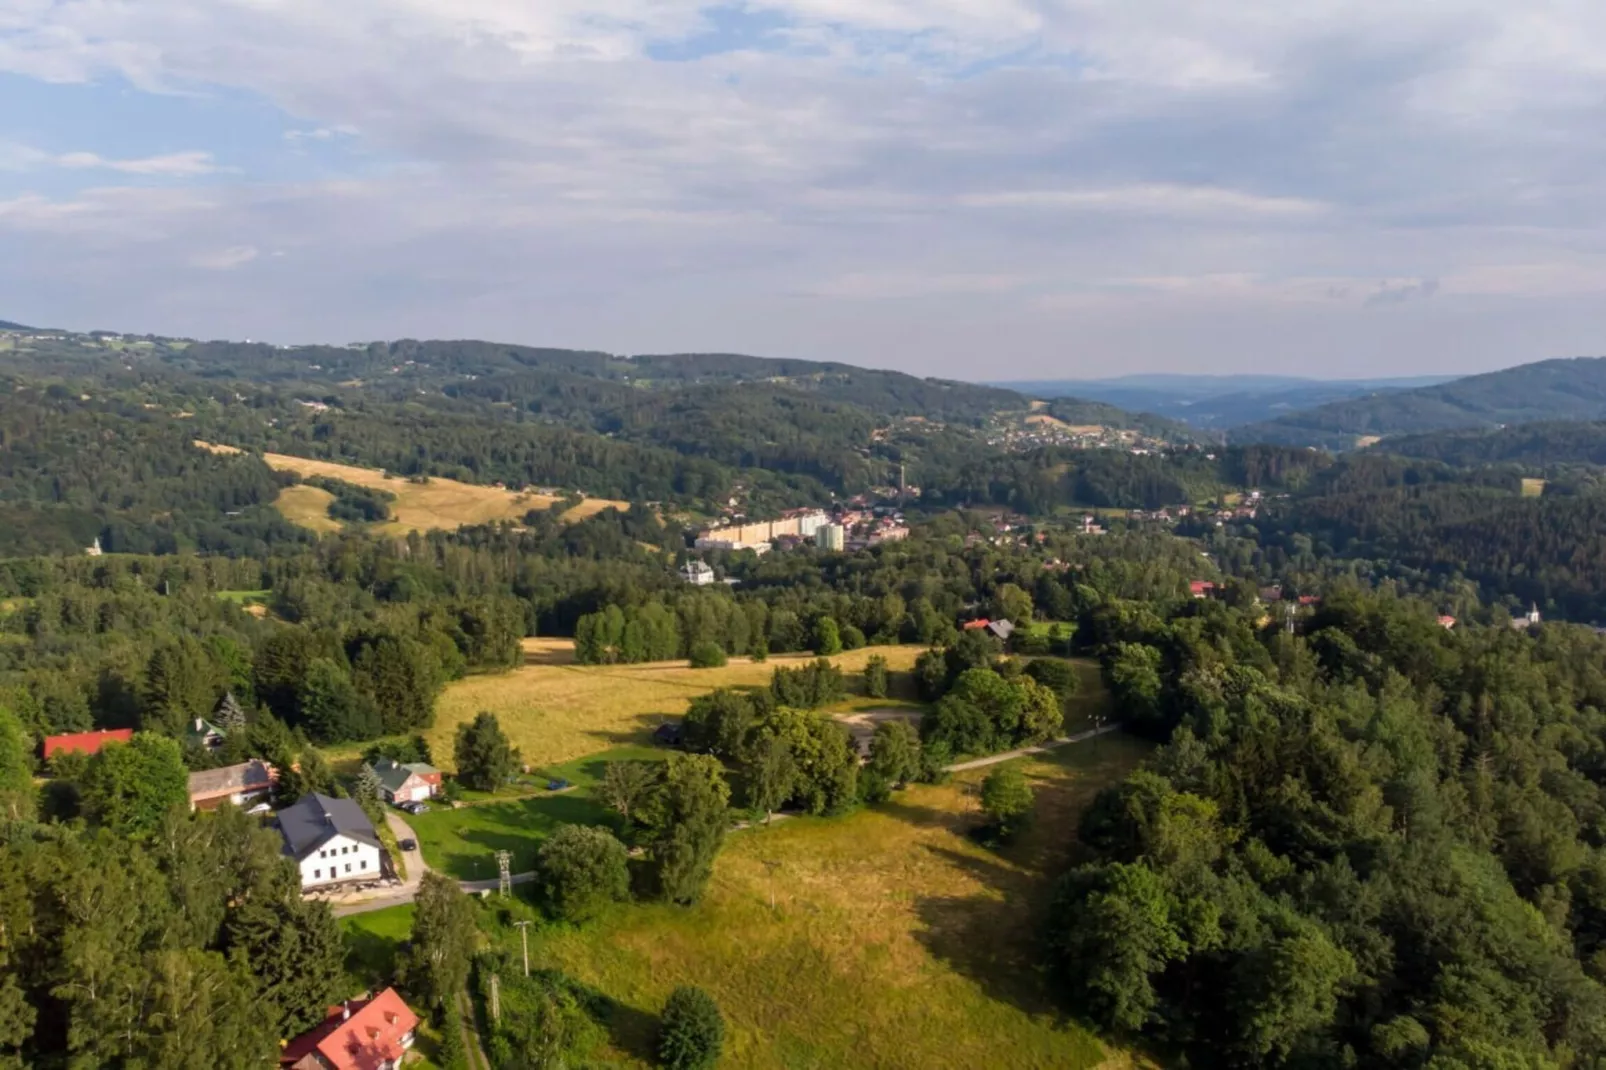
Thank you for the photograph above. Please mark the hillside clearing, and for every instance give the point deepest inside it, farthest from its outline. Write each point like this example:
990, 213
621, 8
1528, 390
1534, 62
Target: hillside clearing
435, 504
1533, 488
895, 940
554, 710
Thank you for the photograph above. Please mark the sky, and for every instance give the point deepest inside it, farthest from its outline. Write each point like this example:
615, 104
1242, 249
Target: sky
983, 189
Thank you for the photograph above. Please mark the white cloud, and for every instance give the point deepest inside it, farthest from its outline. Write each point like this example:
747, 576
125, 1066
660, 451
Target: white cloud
1137, 159
226, 259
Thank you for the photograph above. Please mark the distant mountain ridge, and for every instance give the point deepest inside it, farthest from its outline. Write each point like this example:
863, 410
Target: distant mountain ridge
1550, 390
1218, 402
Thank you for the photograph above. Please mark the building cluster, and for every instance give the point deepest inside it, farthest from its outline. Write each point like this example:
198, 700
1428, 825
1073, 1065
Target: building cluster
849, 527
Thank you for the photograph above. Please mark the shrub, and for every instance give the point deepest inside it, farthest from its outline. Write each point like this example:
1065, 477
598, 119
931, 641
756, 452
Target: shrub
583, 868
693, 1030
707, 655
875, 676
852, 638
1006, 799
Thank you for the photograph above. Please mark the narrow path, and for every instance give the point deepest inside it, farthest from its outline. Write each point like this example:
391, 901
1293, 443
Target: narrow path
473, 1051
1011, 755
417, 867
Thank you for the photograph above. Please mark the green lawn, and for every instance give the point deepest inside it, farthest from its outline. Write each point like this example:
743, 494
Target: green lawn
463, 842
895, 940
372, 940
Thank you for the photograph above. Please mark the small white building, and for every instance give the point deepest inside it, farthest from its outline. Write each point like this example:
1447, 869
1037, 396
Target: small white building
697, 573
832, 537
332, 841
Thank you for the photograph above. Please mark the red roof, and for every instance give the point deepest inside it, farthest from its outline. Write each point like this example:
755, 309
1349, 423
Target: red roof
972, 625
1199, 588
357, 1035
85, 742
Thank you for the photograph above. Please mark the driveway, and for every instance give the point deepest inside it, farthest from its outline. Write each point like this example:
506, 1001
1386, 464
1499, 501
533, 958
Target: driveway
389, 897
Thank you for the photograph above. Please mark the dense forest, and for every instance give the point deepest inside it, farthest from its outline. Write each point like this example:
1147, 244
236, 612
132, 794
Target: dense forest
1548, 390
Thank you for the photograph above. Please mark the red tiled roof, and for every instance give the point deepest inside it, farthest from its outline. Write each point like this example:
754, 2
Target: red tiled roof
86, 742
369, 1038
972, 625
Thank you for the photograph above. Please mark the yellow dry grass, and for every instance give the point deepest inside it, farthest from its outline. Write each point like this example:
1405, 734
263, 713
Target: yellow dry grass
444, 504
1046, 420
307, 506
895, 940
554, 710
215, 447
1363, 441
1533, 488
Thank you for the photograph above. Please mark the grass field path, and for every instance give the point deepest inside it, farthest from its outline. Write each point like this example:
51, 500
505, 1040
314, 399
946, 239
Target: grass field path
1041, 748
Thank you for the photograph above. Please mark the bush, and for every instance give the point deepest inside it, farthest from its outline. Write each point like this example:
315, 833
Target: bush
808, 687
852, 638
875, 676
827, 636
1058, 676
707, 655
1006, 799
693, 1030
582, 869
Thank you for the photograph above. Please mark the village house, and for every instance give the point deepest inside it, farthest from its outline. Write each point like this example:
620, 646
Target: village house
332, 841
243, 784
85, 742
371, 1034
409, 782
697, 573
204, 733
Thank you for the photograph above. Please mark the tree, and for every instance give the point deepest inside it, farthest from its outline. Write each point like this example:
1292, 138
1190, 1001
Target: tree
707, 655
582, 869
626, 784
434, 967
822, 753
130, 787
402, 677
852, 637
875, 676
693, 1030
18, 799
771, 775
1006, 799
368, 784
1058, 676
1012, 603
827, 637
332, 710
485, 758
1117, 933
895, 752
229, 715
688, 817
293, 950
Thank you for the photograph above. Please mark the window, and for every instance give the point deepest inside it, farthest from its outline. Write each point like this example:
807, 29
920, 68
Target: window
317, 874
348, 867
364, 864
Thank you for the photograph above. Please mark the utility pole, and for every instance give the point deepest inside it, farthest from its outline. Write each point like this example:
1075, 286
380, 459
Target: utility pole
504, 869
524, 938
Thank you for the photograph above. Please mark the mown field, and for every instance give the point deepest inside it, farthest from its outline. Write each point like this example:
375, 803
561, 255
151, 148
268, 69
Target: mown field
554, 710
437, 504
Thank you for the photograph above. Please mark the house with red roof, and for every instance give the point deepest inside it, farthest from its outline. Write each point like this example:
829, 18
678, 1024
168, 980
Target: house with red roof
85, 742
370, 1034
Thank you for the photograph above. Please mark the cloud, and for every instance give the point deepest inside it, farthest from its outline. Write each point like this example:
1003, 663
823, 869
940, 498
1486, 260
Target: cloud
226, 259
1399, 292
1072, 169
15, 157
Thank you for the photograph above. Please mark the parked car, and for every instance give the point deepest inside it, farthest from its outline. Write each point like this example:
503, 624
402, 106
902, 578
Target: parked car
416, 808
557, 785
408, 845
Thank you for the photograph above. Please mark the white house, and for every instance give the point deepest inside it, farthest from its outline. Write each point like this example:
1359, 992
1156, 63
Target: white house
332, 841
697, 573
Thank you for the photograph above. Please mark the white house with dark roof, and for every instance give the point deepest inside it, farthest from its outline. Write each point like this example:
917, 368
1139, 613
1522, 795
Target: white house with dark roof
332, 841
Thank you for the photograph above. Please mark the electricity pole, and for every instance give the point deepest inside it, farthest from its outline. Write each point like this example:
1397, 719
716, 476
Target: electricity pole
524, 938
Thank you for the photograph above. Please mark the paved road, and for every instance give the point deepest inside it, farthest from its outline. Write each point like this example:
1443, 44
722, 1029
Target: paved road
417, 867
1010, 755
407, 891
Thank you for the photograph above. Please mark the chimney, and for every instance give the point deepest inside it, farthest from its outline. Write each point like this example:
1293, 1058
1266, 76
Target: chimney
345, 1010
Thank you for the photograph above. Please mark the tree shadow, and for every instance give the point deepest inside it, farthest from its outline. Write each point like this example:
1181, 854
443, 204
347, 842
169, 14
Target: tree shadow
370, 957
642, 726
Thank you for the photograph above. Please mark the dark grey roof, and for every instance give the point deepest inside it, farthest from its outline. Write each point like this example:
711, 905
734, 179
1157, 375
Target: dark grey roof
314, 818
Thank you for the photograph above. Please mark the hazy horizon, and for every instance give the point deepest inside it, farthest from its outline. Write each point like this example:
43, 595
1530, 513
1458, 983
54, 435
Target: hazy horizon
975, 189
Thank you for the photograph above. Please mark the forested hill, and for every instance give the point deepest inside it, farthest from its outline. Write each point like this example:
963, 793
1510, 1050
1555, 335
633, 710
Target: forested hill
1572, 389
1537, 445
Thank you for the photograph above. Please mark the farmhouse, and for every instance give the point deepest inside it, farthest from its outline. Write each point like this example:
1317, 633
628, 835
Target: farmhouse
85, 742
331, 840
369, 1034
412, 782
248, 782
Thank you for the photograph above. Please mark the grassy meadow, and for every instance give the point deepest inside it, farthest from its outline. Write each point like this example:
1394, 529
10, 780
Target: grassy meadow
554, 710
895, 940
